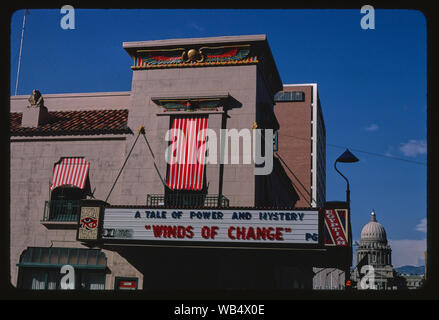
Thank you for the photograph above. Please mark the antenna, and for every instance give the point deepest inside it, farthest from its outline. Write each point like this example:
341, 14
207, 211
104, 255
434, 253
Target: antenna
21, 46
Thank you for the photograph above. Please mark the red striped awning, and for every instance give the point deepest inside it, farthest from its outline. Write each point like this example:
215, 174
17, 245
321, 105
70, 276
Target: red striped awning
70, 171
186, 163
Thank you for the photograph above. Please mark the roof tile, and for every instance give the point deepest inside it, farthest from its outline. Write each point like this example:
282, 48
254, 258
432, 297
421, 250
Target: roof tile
89, 122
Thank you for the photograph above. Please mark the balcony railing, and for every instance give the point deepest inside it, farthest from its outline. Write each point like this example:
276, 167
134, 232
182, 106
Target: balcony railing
61, 210
187, 200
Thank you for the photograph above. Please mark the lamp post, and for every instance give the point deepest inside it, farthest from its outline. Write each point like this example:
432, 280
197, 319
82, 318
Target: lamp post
346, 157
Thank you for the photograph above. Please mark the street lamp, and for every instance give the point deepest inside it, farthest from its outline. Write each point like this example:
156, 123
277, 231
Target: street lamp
346, 157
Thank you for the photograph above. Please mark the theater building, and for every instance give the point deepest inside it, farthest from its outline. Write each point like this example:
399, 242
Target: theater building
147, 189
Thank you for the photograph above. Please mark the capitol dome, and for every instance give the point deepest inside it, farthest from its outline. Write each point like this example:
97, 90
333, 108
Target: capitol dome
373, 231
374, 250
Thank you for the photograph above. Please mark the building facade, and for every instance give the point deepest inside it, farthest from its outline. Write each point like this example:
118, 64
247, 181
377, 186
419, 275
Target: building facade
413, 281
73, 153
77, 126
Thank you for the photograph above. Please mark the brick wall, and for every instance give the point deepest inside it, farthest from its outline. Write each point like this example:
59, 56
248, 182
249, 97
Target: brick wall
295, 142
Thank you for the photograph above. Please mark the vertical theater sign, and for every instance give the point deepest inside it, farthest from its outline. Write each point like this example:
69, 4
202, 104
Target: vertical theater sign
336, 227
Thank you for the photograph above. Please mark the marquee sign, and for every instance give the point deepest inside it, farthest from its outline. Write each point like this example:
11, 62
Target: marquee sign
231, 226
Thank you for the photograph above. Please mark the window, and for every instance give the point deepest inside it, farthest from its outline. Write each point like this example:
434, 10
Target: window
40, 279
90, 280
50, 279
70, 184
276, 141
294, 96
68, 193
186, 174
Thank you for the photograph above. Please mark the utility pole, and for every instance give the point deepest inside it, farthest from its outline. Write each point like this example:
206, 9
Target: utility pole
21, 46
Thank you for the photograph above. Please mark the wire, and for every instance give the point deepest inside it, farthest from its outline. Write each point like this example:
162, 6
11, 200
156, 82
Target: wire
140, 131
153, 158
300, 182
366, 152
123, 166
381, 155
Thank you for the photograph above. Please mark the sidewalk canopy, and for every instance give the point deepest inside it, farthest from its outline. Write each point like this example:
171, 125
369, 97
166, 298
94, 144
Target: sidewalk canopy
57, 257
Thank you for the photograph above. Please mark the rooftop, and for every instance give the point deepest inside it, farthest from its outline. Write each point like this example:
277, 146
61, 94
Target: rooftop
75, 101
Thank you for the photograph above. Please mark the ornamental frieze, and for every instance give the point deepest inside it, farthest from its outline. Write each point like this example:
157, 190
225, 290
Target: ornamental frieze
187, 57
193, 104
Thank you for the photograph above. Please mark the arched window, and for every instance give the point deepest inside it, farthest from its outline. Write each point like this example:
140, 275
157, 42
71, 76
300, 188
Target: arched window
68, 192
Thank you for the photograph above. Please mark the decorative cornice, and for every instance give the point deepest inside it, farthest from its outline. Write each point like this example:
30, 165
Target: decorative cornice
207, 52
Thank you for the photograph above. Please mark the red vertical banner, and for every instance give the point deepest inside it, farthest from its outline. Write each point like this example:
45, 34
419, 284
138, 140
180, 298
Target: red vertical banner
336, 226
188, 148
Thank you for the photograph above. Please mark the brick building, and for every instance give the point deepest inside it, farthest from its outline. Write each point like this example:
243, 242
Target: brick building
302, 141
68, 150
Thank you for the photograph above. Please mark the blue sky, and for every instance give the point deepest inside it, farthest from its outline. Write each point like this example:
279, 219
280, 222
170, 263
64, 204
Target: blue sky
372, 86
